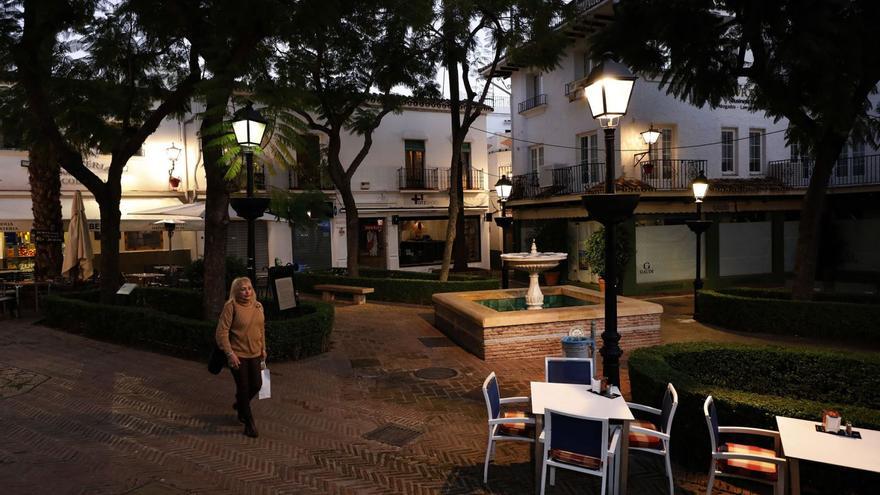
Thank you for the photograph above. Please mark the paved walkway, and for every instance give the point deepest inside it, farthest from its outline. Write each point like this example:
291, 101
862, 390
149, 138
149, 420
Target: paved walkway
83, 416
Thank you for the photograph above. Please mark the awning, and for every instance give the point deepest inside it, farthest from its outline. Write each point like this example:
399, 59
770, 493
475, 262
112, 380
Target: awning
196, 210
16, 214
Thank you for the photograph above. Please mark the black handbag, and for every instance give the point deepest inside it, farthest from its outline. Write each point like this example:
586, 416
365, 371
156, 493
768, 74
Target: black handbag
217, 360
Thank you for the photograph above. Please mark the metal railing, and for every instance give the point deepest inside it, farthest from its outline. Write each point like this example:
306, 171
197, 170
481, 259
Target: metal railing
420, 178
577, 179
532, 102
498, 103
525, 186
315, 179
852, 171
505, 170
670, 175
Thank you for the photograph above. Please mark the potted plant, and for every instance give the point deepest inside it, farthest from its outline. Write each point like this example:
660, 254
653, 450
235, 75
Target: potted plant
174, 182
551, 237
594, 250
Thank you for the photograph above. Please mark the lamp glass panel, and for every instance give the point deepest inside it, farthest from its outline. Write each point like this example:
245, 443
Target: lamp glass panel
240, 127
595, 99
650, 136
617, 95
172, 152
700, 189
256, 132
503, 190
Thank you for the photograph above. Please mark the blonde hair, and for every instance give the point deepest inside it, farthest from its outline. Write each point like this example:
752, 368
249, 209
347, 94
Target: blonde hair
236, 284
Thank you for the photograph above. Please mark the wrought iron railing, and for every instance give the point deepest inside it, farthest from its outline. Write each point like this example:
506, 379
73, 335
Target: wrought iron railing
525, 186
852, 171
670, 175
315, 179
505, 170
577, 179
419, 178
532, 102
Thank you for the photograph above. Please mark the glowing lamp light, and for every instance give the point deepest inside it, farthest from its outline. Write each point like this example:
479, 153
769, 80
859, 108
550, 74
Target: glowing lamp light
608, 90
248, 126
700, 185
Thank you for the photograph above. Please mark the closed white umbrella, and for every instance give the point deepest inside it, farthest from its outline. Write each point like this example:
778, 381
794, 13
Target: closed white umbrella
78, 252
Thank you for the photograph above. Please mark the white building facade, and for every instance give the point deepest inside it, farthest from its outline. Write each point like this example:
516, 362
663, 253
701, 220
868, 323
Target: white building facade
757, 180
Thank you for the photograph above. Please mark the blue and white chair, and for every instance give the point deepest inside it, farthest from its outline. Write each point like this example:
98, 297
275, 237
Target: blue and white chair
568, 370
653, 436
579, 443
739, 460
511, 425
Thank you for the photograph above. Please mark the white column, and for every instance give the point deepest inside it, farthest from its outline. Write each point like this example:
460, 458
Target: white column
392, 245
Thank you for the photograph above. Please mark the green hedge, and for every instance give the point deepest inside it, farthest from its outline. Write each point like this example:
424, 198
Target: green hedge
859, 323
150, 323
780, 293
751, 385
416, 288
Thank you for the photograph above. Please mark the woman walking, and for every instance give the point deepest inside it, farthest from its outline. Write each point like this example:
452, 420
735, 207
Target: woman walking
241, 333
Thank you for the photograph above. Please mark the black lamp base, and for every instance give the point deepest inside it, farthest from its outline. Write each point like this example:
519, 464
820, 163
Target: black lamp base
699, 226
249, 208
610, 209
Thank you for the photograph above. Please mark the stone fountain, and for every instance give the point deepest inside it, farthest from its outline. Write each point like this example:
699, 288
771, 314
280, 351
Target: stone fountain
534, 263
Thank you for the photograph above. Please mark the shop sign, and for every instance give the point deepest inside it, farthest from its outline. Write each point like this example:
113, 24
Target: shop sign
95, 225
8, 227
646, 269
96, 167
47, 236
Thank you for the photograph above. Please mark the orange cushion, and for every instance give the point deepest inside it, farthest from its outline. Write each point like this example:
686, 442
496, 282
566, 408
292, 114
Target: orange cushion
580, 460
516, 429
641, 440
743, 467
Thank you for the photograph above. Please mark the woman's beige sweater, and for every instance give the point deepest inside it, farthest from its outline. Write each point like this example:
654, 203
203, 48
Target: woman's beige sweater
241, 329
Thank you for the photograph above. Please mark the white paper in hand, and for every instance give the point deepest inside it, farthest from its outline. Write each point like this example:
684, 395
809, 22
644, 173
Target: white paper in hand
266, 389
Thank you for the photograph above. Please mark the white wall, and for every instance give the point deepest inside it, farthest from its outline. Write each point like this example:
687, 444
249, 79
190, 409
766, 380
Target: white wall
280, 242
562, 121
745, 248
667, 252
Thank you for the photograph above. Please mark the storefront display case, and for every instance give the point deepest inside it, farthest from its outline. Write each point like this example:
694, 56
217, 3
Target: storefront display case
19, 251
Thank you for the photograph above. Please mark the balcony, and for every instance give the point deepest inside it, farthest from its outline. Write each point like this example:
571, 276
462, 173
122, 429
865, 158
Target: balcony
533, 102
577, 179
309, 179
852, 171
425, 179
670, 175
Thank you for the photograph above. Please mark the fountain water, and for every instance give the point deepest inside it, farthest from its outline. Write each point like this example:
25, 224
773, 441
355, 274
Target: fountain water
534, 263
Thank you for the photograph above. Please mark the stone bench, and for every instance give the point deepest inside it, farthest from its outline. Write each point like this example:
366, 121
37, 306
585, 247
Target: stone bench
358, 294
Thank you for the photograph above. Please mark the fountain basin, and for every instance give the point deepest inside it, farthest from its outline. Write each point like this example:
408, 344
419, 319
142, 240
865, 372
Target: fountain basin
491, 334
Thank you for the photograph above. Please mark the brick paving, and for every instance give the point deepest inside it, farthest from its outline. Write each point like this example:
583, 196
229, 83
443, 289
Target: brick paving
83, 416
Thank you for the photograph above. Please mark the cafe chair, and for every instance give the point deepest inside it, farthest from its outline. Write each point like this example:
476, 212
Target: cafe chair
738, 460
511, 425
568, 370
653, 436
581, 444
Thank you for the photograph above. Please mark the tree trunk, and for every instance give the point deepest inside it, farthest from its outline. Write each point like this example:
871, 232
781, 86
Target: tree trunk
455, 190
351, 229
460, 247
44, 174
809, 228
216, 209
111, 277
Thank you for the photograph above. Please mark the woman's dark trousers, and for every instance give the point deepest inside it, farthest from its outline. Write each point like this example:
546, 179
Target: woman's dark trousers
248, 381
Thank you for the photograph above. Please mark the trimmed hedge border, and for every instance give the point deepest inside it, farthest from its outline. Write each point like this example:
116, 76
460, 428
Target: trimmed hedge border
415, 290
684, 365
740, 310
145, 326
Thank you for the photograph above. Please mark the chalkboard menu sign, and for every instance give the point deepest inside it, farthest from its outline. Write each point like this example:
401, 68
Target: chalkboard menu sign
46, 236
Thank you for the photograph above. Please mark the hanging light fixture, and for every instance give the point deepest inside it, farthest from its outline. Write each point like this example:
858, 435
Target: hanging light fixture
651, 135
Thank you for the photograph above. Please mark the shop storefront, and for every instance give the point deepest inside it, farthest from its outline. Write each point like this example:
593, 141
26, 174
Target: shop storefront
422, 240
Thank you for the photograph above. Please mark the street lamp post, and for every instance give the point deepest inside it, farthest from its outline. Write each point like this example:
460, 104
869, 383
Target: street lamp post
248, 126
502, 189
608, 90
700, 186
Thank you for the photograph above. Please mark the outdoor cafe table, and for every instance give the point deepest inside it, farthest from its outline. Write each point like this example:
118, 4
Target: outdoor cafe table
801, 441
36, 284
577, 399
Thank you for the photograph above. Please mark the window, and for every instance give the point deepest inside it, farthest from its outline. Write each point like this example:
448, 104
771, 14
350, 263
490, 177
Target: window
307, 171
259, 177
589, 157
143, 241
468, 181
756, 150
661, 152
537, 85
422, 240
728, 151
858, 157
536, 158
414, 151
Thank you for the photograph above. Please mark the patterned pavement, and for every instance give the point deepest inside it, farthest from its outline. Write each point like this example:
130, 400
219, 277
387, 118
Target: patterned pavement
83, 416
